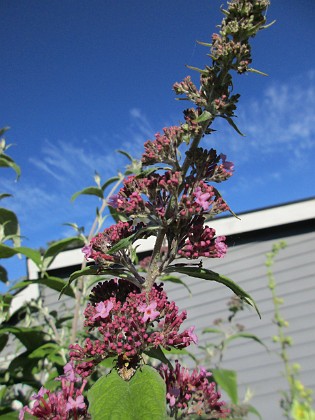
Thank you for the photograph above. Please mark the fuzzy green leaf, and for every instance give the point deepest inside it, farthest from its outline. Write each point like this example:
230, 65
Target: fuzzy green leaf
232, 124
110, 181
6, 251
176, 280
158, 353
98, 192
227, 380
59, 246
141, 398
244, 335
205, 116
7, 162
205, 274
54, 283
30, 253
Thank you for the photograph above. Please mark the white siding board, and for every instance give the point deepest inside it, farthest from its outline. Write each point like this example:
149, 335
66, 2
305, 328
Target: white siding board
294, 273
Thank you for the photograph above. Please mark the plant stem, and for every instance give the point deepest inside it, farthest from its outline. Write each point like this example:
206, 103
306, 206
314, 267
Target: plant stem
81, 281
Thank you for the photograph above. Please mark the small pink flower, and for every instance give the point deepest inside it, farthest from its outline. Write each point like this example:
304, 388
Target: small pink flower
202, 198
149, 311
76, 404
103, 310
192, 335
87, 251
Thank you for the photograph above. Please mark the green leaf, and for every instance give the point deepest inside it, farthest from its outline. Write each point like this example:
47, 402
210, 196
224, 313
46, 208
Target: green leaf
116, 215
7, 162
86, 271
253, 410
201, 71
110, 181
141, 398
122, 244
59, 246
32, 254
157, 353
212, 330
10, 225
244, 335
128, 156
6, 251
227, 380
261, 73
10, 415
205, 116
55, 283
205, 274
3, 274
232, 124
98, 192
3, 341
44, 350
5, 195
205, 44
176, 280
29, 337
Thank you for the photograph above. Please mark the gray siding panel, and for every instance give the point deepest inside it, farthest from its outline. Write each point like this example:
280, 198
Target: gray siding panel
245, 264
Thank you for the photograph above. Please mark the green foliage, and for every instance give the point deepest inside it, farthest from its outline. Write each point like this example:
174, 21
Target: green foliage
205, 274
297, 402
140, 398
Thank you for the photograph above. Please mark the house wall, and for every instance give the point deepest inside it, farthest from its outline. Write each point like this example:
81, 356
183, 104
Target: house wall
294, 273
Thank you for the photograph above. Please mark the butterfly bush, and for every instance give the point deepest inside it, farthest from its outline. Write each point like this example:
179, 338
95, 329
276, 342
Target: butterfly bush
172, 199
192, 393
60, 405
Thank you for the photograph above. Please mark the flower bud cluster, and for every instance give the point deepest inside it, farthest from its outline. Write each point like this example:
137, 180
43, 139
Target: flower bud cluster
164, 147
201, 242
60, 405
191, 393
129, 325
99, 246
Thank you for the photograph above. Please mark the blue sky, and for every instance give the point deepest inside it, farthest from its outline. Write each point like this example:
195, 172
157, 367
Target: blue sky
82, 79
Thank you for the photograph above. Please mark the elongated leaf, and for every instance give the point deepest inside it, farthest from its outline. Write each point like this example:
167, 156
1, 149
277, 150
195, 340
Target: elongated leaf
122, 244
30, 253
111, 181
233, 125
5, 195
244, 335
128, 156
29, 337
205, 116
9, 415
54, 283
87, 271
205, 274
176, 280
211, 330
98, 192
44, 350
3, 274
201, 71
7, 162
6, 251
10, 225
141, 398
3, 341
59, 246
227, 380
157, 353
253, 410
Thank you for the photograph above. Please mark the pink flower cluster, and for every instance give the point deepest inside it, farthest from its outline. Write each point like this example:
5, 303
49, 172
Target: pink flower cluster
201, 242
164, 147
60, 405
192, 393
99, 246
129, 326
